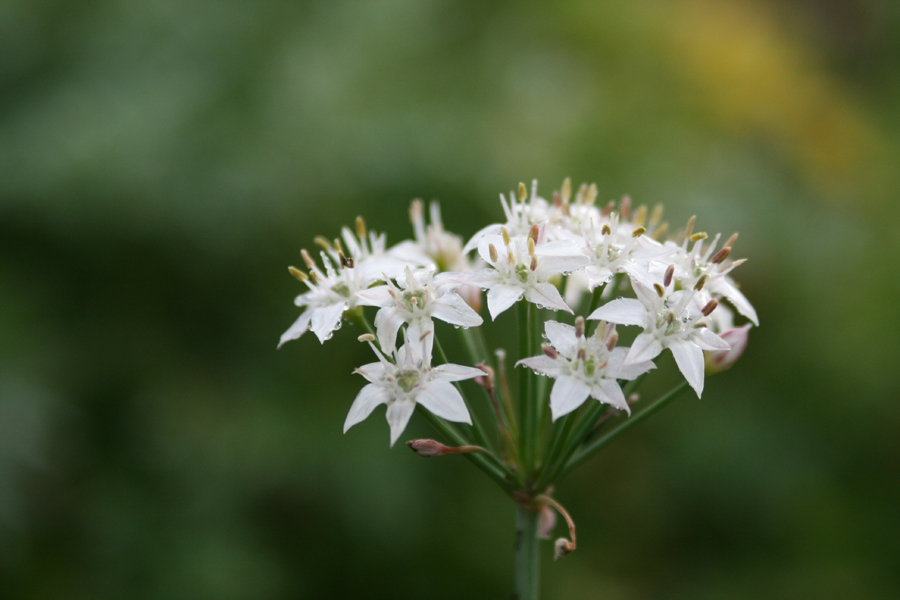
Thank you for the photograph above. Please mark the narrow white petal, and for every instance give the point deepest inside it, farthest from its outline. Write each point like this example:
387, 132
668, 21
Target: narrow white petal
567, 394
546, 295
387, 322
451, 372
326, 319
398, 414
608, 391
372, 372
689, 358
444, 401
452, 309
297, 329
420, 335
597, 276
501, 297
624, 311
645, 347
366, 400
725, 287
542, 364
484, 247
561, 337
376, 296
707, 340
473, 243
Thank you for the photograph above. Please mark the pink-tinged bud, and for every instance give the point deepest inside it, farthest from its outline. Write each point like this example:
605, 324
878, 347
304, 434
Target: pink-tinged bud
719, 360
546, 522
428, 448
487, 380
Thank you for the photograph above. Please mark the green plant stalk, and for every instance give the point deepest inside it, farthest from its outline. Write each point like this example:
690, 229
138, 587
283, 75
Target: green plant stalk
526, 399
558, 433
535, 325
594, 446
480, 436
528, 559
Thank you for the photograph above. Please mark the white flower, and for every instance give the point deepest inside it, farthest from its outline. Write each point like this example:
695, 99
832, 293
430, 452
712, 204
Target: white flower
521, 268
409, 381
672, 320
584, 366
334, 290
419, 297
691, 265
520, 216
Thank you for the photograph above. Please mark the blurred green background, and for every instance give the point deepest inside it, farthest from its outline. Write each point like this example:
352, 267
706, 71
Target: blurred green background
162, 162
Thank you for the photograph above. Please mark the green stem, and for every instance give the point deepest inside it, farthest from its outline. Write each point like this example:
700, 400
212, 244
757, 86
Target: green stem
588, 450
487, 462
525, 401
559, 433
480, 435
528, 559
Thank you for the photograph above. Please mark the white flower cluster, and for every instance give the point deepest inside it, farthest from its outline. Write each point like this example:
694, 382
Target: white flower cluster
558, 255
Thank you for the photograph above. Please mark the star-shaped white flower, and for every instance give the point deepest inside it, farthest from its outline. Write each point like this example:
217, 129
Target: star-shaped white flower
672, 320
335, 289
521, 268
584, 366
404, 383
420, 297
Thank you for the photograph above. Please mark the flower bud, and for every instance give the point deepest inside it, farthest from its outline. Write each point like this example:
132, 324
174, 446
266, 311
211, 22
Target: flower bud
719, 360
546, 522
428, 448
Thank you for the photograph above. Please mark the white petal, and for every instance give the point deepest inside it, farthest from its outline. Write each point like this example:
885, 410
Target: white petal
561, 337
707, 340
542, 364
452, 309
608, 391
366, 400
397, 415
473, 243
546, 295
483, 278
376, 296
297, 329
443, 400
501, 297
597, 276
420, 335
326, 319
624, 311
484, 248
567, 394
726, 288
372, 372
689, 358
451, 372
387, 322
645, 347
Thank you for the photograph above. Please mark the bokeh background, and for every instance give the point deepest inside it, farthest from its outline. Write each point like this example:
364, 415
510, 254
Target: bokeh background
162, 162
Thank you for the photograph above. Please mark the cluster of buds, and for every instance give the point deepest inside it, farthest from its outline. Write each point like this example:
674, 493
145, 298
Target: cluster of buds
564, 256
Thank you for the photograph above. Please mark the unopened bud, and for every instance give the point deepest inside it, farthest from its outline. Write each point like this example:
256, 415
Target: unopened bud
487, 380
719, 360
428, 448
546, 522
